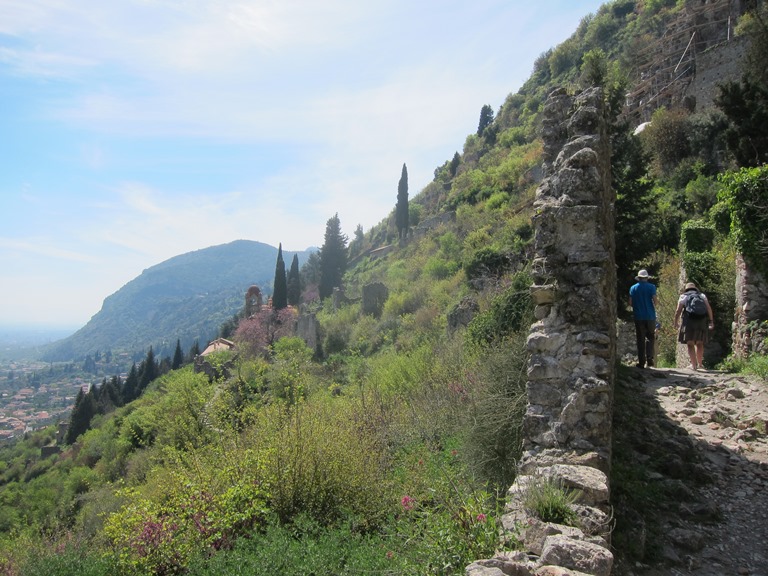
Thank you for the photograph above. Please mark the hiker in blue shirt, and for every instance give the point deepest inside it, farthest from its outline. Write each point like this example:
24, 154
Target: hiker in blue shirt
642, 300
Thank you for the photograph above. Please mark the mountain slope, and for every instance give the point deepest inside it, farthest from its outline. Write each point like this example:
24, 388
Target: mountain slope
186, 297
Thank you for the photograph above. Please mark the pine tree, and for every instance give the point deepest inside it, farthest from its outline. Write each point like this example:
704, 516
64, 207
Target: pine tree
131, 385
110, 395
294, 282
486, 118
401, 208
148, 371
333, 257
178, 356
280, 286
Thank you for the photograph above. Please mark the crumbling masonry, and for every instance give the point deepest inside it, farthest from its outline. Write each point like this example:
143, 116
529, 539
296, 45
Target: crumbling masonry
567, 425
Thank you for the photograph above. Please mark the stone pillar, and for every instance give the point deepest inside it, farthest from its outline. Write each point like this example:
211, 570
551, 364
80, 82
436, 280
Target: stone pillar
573, 342
750, 328
567, 425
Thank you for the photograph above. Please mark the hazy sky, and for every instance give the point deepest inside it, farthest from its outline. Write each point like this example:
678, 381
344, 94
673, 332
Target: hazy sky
137, 130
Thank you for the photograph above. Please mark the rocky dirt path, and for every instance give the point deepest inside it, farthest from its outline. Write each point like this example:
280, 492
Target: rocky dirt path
706, 435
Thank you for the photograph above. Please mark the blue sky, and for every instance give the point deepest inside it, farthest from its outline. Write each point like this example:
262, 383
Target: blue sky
137, 130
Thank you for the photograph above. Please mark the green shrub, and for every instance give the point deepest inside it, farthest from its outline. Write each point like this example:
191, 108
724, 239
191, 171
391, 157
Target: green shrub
495, 439
486, 261
321, 459
547, 500
508, 312
497, 200
439, 268
304, 547
67, 559
200, 501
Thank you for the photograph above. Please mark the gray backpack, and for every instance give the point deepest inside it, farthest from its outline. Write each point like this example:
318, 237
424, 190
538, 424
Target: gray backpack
696, 306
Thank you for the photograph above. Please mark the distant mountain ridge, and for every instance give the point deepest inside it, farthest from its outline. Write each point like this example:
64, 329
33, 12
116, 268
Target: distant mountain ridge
186, 297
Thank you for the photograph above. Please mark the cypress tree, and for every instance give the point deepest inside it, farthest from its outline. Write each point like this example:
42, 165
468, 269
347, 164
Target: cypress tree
82, 414
178, 356
333, 257
280, 286
401, 208
294, 282
131, 385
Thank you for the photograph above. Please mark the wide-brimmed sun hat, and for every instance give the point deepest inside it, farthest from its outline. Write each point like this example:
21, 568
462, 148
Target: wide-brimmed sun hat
690, 286
642, 275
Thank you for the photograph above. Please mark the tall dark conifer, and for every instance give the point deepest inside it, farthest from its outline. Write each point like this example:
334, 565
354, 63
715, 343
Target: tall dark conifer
294, 282
280, 289
178, 356
486, 119
401, 208
333, 257
148, 371
131, 385
82, 414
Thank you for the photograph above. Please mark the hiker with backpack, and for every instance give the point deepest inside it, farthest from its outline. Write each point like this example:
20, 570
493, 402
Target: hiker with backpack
697, 318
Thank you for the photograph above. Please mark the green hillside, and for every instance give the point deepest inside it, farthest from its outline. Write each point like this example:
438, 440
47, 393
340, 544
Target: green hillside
389, 447
185, 298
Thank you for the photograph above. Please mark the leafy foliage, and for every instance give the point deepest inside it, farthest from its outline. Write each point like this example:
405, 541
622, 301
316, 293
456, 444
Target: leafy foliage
745, 194
508, 313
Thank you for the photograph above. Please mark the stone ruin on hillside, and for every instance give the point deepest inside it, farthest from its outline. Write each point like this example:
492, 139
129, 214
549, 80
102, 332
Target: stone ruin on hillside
567, 425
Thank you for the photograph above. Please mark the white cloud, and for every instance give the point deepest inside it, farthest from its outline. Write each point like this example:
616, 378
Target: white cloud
329, 99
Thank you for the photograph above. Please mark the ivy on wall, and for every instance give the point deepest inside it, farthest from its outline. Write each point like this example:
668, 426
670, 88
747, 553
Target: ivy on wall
745, 195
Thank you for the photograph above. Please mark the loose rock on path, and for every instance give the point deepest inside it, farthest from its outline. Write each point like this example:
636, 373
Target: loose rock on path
713, 444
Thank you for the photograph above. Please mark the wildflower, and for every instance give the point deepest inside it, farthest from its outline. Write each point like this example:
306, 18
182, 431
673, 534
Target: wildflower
390, 555
481, 517
407, 503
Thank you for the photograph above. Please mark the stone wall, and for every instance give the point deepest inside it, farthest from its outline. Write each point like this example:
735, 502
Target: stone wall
567, 425
573, 343
717, 65
750, 329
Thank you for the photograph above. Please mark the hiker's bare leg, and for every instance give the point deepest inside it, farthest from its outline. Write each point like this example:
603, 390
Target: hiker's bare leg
700, 352
692, 354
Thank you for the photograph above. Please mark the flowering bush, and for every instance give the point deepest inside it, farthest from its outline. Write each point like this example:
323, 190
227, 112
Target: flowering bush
256, 334
201, 506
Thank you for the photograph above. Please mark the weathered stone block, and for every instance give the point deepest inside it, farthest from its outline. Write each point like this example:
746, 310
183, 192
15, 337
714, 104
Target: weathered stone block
545, 342
543, 394
544, 294
591, 482
562, 551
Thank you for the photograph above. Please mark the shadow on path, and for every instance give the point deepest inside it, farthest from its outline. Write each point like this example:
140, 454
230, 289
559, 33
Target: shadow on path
689, 480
